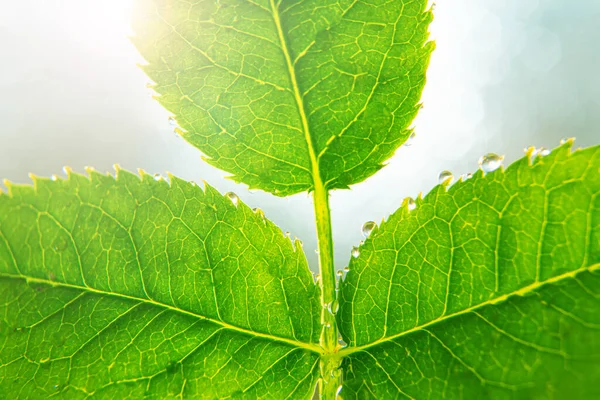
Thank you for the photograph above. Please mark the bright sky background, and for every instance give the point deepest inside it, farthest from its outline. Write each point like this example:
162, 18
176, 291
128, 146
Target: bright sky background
506, 74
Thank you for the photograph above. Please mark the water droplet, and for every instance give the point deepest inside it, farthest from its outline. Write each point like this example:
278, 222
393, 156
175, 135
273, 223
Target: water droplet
346, 269
490, 162
567, 140
341, 342
55, 387
446, 177
333, 307
327, 325
172, 121
410, 203
542, 151
233, 197
317, 251
464, 177
54, 177
355, 252
317, 278
410, 139
536, 152
340, 273
367, 228
338, 393
158, 177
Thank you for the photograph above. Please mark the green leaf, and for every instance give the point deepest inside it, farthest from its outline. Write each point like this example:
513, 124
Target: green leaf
126, 287
490, 289
286, 95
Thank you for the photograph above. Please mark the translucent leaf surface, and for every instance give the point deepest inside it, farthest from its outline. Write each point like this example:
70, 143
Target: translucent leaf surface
490, 289
126, 287
284, 93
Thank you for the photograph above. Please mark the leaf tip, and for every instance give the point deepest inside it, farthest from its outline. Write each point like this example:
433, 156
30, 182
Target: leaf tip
142, 173
297, 244
117, 169
8, 184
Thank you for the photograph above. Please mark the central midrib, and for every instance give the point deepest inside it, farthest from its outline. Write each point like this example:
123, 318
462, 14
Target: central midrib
308, 346
520, 292
320, 200
316, 175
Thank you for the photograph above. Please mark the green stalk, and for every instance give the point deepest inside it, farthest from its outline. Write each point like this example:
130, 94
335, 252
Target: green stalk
326, 267
330, 372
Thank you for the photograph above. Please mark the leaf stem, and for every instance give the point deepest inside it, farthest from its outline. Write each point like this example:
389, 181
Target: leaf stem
326, 267
330, 368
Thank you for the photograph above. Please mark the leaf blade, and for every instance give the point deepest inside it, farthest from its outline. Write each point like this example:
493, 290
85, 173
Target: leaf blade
450, 261
154, 258
240, 78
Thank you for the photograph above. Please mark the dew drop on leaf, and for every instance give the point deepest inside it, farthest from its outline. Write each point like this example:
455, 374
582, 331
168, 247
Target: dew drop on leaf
542, 151
340, 273
338, 393
446, 177
346, 269
536, 152
54, 177
355, 252
317, 278
158, 177
341, 341
490, 162
368, 227
172, 121
55, 387
410, 203
333, 307
566, 140
233, 197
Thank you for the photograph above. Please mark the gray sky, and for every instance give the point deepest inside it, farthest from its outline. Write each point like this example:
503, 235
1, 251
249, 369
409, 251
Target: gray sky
505, 75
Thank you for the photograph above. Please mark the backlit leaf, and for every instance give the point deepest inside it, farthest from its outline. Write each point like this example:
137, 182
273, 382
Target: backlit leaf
121, 288
284, 93
488, 290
